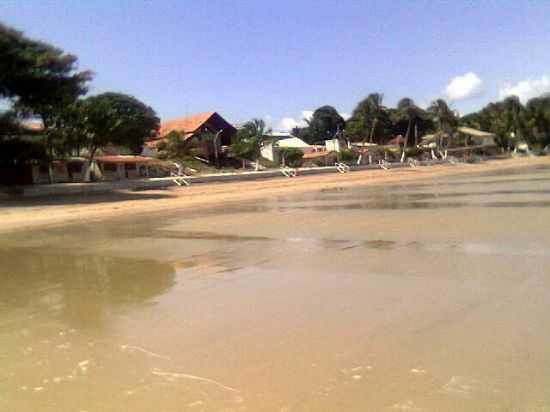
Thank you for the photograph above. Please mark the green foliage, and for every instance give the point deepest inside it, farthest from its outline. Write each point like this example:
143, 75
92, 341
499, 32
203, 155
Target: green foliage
510, 121
292, 157
537, 120
175, 147
444, 119
39, 80
256, 128
348, 155
9, 125
37, 76
370, 120
248, 140
323, 125
409, 119
117, 119
303, 133
244, 144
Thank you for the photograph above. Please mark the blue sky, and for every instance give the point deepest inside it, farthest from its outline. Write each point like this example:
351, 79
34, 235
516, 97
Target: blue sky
280, 59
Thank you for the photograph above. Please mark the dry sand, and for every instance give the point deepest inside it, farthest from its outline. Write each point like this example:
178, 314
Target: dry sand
33, 213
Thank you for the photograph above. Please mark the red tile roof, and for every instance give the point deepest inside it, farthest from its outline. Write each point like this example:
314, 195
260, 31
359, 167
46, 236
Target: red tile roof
123, 159
188, 124
317, 155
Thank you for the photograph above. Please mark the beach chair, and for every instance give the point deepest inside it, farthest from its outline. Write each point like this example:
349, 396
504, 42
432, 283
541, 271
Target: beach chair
179, 177
288, 171
342, 167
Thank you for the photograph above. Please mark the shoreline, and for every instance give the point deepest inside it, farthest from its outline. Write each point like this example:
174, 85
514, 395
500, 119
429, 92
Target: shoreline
58, 211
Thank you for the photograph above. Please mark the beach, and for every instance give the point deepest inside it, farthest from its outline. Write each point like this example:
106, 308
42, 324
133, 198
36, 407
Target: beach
47, 211
421, 290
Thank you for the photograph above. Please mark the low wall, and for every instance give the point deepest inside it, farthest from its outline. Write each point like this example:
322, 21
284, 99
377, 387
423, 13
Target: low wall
163, 182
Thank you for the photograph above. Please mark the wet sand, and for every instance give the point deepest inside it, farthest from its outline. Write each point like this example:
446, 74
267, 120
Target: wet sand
32, 213
420, 295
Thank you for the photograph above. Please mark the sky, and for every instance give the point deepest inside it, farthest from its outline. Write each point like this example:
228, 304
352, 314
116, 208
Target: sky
279, 60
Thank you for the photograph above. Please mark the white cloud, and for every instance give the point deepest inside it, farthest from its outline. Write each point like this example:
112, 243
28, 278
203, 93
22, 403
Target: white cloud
527, 89
286, 124
307, 114
464, 87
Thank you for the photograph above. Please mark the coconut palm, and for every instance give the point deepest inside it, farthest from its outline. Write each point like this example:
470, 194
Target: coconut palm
443, 117
368, 117
256, 128
249, 139
408, 111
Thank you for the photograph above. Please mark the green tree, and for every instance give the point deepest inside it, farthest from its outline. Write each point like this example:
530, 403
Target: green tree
9, 125
537, 115
39, 80
117, 119
291, 157
324, 124
445, 120
256, 128
248, 140
369, 119
175, 146
414, 117
36, 75
508, 119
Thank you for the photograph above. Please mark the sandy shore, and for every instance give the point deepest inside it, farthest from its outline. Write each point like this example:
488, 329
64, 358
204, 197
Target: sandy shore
33, 213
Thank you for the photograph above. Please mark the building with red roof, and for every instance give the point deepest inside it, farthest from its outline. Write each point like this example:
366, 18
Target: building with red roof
193, 126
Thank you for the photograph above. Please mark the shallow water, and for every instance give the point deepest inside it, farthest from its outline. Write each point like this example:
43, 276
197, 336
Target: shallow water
432, 296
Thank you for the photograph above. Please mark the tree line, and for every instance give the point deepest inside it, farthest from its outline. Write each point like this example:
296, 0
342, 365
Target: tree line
373, 122
41, 82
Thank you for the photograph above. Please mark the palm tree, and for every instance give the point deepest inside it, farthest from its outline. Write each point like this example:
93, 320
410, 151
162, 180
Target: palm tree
369, 115
443, 117
256, 128
408, 111
249, 139
374, 103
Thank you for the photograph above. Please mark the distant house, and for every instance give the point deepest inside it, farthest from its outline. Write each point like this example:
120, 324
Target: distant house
477, 137
275, 142
193, 127
295, 143
119, 167
104, 167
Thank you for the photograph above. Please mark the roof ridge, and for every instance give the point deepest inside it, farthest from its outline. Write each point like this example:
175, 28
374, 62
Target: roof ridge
192, 116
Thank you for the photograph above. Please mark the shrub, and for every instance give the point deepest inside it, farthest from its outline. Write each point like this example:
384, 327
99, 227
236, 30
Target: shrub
292, 157
348, 155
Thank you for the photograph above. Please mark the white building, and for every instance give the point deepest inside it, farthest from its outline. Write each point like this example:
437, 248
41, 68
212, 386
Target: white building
276, 141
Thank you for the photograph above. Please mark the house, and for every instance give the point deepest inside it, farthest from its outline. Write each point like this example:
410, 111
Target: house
193, 127
477, 137
277, 141
104, 167
119, 167
334, 145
